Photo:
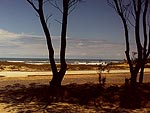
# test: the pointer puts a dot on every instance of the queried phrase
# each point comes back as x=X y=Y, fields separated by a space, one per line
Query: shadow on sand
x=72 y=98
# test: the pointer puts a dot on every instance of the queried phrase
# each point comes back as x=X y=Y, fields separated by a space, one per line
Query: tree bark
x=137 y=9
x=63 y=38
x=145 y=42
x=48 y=38
x=56 y=81
x=127 y=51
x=57 y=76
x=123 y=10
x=141 y=74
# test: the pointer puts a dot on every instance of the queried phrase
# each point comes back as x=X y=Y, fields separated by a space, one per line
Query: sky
x=94 y=31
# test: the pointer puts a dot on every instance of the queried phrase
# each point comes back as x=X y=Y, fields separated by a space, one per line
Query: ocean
x=69 y=61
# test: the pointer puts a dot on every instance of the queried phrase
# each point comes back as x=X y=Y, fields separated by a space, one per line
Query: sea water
x=69 y=61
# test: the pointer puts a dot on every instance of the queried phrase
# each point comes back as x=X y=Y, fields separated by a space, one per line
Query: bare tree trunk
x=137 y=9
x=56 y=81
x=141 y=74
x=63 y=38
x=57 y=78
x=145 y=42
x=133 y=77
x=132 y=69
x=48 y=38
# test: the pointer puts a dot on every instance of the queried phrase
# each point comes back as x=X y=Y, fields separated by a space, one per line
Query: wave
x=39 y=61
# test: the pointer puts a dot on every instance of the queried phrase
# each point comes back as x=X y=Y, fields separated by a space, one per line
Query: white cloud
x=30 y=45
x=13 y=44
x=94 y=48
x=6 y=34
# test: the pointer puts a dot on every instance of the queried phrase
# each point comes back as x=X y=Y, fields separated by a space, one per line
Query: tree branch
x=56 y=6
x=145 y=26
x=32 y=4
x=149 y=43
x=58 y=21
x=118 y=5
x=134 y=5
x=72 y=3
x=111 y=5
x=72 y=9
x=47 y=18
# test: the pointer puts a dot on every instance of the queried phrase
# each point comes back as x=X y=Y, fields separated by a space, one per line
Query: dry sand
x=80 y=72
x=28 y=76
x=111 y=78
x=72 y=77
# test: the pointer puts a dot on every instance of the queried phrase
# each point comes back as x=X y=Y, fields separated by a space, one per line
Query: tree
x=55 y=83
x=135 y=13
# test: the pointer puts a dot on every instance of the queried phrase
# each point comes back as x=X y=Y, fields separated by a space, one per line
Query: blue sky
x=94 y=31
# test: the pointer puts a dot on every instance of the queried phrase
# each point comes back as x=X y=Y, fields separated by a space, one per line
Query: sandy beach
x=19 y=75
x=78 y=77
x=80 y=72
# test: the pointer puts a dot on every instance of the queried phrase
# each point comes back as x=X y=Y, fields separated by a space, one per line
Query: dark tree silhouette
x=58 y=75
x=135 y=13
